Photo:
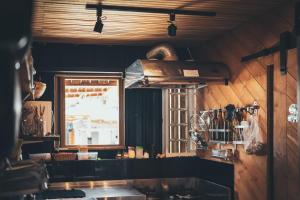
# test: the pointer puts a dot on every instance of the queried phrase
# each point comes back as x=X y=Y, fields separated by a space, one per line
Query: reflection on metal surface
x=159 y=73
x=91 y=184
x=87 y=184
x=67 y=186
x=165 y=188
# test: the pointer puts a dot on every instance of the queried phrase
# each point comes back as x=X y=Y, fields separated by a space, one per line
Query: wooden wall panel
x=280 y=136
x=292 y=145
x=248 y=84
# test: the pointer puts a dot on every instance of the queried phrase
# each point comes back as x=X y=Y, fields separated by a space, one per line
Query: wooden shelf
x=226 y=142
x=36 y=139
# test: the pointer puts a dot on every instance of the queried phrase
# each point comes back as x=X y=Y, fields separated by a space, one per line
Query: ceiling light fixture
x=172 y=28
x=99 y=24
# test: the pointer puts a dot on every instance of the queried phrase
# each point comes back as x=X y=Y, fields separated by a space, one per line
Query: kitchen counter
x=141 y=189
x=95 y=170
x=117 y=192
x=113 y=192
x=122 y=198
x=94 y=190
x=207 y=155
x=215 y=159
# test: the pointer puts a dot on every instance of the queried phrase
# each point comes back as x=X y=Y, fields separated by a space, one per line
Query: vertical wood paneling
x=280 y=142
x=292 y=146
x=249 y=83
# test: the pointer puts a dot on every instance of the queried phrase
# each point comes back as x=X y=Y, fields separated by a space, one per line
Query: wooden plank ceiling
x=69 y=21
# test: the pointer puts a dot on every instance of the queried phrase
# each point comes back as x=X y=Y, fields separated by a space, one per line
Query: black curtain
x=143 y=117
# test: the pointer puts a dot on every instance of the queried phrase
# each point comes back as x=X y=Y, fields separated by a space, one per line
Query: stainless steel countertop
x=130 y=189
x=116 y=192
x=102 y=190
x=121 y=198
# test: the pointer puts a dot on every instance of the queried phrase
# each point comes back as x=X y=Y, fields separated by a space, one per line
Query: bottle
x=42 y=127
x=146 y=155
x=214 y=125
x=237 y=122
x=231 y=129
x=227 y=125
x=244 y=121
x=118 y=155
x=125 y=155
x=131 y=152
x=71 y=135
x=139 y=152
x=36 y=119
x=230 y=109
x=220 y=125
x=152 y=152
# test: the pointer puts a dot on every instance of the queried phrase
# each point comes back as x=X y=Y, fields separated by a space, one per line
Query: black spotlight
x=172 y=27
x=99 y=25
x=172 y=30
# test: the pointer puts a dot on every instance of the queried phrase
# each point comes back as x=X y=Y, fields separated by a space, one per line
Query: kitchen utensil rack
x=233 y=135
x=230 y=134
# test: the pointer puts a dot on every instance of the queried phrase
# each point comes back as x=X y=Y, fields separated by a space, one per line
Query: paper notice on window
x=190 y=73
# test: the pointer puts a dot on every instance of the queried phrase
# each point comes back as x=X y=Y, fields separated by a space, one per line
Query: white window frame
x=191 y=108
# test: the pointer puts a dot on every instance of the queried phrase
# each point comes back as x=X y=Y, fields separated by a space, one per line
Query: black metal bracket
x=283 y=48
x=287 y=41
x=150 y=10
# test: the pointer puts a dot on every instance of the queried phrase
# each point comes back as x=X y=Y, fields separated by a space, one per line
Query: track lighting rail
x=150 y=10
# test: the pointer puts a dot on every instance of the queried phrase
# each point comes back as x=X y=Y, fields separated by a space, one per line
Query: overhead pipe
x=162 y=52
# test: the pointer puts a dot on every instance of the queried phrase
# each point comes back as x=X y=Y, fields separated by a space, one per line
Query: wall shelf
x=37 y=139
x=225 y=142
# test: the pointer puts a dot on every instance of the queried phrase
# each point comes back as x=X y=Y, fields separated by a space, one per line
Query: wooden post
x=297 y=32
x=270 y=128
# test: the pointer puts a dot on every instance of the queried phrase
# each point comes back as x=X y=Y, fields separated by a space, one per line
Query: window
x=178 y=105
x=90 y=110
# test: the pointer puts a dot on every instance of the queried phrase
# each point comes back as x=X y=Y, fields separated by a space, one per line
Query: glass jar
x=139 y=152
x=131 y=152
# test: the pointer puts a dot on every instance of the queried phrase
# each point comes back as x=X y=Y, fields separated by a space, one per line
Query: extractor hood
x=169 y=72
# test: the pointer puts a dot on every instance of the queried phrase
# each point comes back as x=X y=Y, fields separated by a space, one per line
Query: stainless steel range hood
x=169 y=72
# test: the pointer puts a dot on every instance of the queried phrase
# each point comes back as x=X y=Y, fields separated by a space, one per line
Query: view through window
x=91 y=111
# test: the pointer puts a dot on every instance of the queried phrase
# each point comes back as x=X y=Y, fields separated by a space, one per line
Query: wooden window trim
x=59 y=109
